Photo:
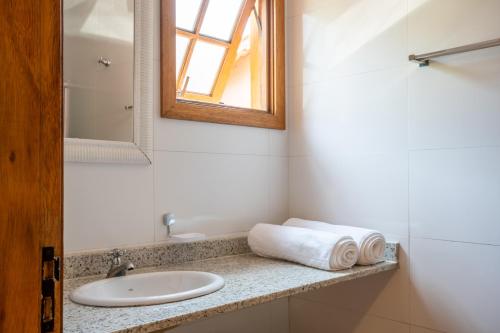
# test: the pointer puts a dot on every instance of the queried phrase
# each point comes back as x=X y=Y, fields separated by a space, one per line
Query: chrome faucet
x=117 y=267
x=168 y=221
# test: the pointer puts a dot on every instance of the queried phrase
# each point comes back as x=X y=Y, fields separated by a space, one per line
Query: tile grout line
x=217 y=153
x=457 y=241
x=492 y=146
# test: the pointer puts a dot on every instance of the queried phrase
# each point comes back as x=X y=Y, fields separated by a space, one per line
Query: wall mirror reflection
x=107 y=71
x=99 y=69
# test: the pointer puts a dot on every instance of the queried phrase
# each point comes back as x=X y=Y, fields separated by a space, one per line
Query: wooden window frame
x=172 y=107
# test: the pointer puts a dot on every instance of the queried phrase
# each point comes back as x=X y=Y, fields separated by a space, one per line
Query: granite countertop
x=250 y=280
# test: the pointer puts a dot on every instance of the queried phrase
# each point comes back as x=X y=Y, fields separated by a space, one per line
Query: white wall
x=377 y=142
x=217 y=179
x=264 y=318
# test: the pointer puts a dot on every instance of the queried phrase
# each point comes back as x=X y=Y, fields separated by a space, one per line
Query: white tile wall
x=295 y=8
x=471 y=117
x=455 y=194
x=310 y=317
x=107 y=206
x=377 y=142
x=366 y=190
x=189 y=136
x=277 y=189
x=278 y=143
x=455 y=286
x=211 y=193
x=332 y=38
x=440 y=24
x=264 y=318
x=351 y=114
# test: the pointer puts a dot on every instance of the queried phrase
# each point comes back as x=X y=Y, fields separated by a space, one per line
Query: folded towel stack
x=318 y=244
x=324 y=250
x=371 y=243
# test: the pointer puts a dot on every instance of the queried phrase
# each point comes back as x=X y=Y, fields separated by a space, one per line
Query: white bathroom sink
x=147 y=288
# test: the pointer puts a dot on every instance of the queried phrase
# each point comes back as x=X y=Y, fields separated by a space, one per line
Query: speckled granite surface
x=98 y=262
x=250 y=280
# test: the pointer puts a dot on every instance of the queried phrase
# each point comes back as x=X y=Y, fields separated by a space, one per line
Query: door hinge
x=50 y=274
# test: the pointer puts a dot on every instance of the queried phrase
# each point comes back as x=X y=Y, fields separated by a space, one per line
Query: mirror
x=99 y=69
x=108 y=63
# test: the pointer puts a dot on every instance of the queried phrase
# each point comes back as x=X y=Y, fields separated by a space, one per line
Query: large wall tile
x=366 y=190
x=347 y=37
x=455 y=103
x=311 y=317
x=359 y=113
x=263 y=318
x=278 y=143
x=107 y=206
x=193 y=136
x=277 y=190
x=294 y=54
x=385 y=295
x=294 y=8
x=438 y=24
x=455 y=286
x=295 y=122
x=210 y=193
x=455 y=194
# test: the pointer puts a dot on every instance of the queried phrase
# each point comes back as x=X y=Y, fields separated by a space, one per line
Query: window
x=223 y=61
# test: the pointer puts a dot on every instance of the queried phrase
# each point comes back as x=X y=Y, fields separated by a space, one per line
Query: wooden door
x=30 y=163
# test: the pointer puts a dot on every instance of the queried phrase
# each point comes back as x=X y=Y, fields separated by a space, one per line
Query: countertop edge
x=173 y=322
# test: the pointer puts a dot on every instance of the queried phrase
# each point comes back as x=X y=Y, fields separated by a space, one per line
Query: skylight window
x=210 y=65
x=186 y=13
x=229 y=55
x=220 y=18
x=181 y=45
x=200 y=77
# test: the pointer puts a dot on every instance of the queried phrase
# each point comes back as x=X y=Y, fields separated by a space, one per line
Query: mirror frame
x=140 y=151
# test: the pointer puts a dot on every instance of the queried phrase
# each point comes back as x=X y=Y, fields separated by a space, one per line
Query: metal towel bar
x=424 y=59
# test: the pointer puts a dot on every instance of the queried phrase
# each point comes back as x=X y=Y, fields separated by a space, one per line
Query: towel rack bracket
x=420 y=62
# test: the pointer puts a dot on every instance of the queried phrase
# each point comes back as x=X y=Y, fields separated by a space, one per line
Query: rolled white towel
x=371 y=243
x=308 y=247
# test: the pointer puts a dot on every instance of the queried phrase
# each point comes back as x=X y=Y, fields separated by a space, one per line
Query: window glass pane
x=220 y=18
x=247 y=83
x=204 y=67
x=181 y=44
x=186 y=12
x=243 y=81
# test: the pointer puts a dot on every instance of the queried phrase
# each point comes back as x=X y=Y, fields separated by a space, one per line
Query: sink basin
x=147 y=288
